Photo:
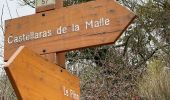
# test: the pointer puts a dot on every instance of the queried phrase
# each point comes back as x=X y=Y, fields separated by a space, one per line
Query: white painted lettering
x=97 y=23
x=107 y=22
x=89 y=24
x=10 y=39
x=60 y=30
x=64 y=30
x=27 y=37
x=23 y=37
x=71 y=93
x=66 y=93
x=36 y=36
x=49 y=33
x=75 y=28
x=44 y=34
x=16 y=40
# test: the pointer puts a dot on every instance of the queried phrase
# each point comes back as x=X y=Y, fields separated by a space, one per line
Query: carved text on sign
x=71 y=93
x=60 y=30
x=40 y=3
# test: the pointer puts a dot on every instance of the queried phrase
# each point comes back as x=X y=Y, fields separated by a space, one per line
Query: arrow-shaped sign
x=89 y=24
x=34 y=78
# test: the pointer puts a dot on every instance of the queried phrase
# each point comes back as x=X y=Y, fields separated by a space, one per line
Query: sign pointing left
x=34 y=78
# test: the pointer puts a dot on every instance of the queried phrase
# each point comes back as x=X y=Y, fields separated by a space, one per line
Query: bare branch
x=8 y=9
x=151 y=55
x=17 y=12
x=30 y=3
x=1 y=26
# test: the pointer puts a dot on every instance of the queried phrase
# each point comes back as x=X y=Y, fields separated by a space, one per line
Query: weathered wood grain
x=35 y=78
x=119 y=16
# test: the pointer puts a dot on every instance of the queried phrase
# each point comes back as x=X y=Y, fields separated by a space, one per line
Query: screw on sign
x=85 y=25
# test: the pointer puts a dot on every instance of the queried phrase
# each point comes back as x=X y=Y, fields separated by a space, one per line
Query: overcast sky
x=14 y=7
x=10 y=13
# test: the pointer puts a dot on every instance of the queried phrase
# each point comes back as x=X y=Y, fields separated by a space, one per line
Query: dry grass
x=155 y=84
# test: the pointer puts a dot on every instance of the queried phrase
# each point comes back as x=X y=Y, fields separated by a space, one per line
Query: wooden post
x=60 y=57
x=57 y=58
x=59 y=4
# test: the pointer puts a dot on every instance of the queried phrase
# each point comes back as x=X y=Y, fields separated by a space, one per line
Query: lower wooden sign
x=35 y=78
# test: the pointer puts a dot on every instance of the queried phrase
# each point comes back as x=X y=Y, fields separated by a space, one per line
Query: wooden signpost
x=80 y=26
x=48 y=32
x=35 y=78
x=57 y=58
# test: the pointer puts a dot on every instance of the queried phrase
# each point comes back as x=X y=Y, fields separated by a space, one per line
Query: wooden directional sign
x=89 y=24
x=34 y=78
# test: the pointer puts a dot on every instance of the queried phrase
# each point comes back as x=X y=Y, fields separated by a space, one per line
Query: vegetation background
x=136 y=67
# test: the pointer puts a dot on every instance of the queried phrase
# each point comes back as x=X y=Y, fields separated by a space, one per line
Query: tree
x=112 y=72
x=123 y=64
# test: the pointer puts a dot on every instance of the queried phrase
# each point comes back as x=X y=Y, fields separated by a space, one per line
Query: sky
x=15 y=10
x=14 y=7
